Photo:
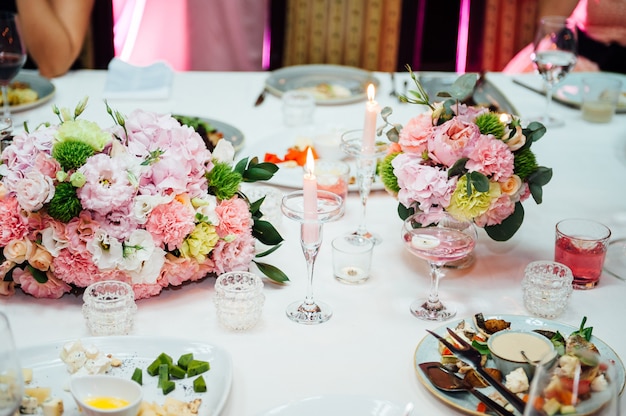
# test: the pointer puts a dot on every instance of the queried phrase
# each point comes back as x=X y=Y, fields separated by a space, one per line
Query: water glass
x=581 y=245
x=547 y=287
x=109 y=307
x=352 y=258
x=298 y=108
x=333 y=176
x=600 y=96
x=239 y=299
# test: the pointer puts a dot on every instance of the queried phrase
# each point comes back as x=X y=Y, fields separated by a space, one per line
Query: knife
x=260 y=98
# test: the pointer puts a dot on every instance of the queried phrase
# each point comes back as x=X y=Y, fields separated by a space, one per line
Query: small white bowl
x=506 y=346
x=85 y=387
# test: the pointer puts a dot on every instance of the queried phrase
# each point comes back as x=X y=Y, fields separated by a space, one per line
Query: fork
x=472 y=356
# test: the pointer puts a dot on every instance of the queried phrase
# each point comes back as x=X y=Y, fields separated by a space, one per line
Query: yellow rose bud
x=19 y=251
x=40 y=259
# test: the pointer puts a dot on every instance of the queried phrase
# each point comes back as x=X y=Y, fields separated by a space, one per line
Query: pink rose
x=34 y=190
x=40 y=258
x=451 y=140
x=415 y=134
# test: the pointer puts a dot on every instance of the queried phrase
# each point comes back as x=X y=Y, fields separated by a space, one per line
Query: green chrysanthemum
x=385 y=170
x=223 y=181
x=489 y=123
x=525 y=163
x=71 y=154
x=65 y=204
x=466 y=207
x=83 y=131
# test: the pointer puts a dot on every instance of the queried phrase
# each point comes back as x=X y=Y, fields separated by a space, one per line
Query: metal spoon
x=446 y=380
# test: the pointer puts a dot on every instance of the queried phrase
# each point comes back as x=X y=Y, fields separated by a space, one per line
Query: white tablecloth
x=367 y=347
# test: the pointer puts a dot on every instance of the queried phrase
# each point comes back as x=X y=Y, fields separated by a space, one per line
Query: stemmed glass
x=11 y=384
x=12 y=58
x=554 y=55
x=352 y=145
x=329 y=208
x=568 y=388
x=437 y=238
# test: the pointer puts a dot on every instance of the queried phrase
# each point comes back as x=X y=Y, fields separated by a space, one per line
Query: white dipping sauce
x=508 y=345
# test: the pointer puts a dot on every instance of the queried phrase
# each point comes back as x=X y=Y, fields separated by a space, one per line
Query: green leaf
x=38 y=275
x=541 y=176
x=272 y=272
x=582 y=331
x=256 y=173
x=241 y=166
x=463 y=87
x=255 y=207
x=386 y=112
x=478 y=181
x=458 y=169
x=507 y=228
x=267 y=252
x=534 y=131
x=404 y=212
x=265 y=232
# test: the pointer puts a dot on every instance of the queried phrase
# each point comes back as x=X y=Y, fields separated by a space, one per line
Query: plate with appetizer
x=477 y=330
x=213 y=131
x=198 y=385
x=329 y=84
x=28 y=90
x=288 y=148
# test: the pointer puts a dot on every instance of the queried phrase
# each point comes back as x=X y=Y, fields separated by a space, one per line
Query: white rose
x=34 y=190
x=52 y=241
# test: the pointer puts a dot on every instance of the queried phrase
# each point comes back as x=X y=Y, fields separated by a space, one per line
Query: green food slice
x=199 y=385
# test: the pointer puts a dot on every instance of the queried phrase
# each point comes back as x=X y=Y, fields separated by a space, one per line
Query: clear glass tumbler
x=239 y=299
x=109 y=307
x=547 y=287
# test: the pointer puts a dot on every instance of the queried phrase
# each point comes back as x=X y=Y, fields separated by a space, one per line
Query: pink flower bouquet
x=467 y=160
x=143 y=202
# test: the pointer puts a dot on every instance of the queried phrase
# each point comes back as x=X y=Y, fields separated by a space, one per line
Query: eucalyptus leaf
x=536 y=191
x=458 y=169
x=386 y=112
x=479 y=181
x=272 y=272
x=507 y=228
x=541 y=176
x=404 y=212
x=463 y=87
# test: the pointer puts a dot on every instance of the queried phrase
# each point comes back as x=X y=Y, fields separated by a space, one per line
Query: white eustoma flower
x=137 y=249
x=224 y=152
x=149 y=270
x=107 y=252
x=52 y=241
x=206 y=206
x=144 y=204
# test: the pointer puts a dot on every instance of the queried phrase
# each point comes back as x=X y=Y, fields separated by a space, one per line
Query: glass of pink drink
x=437 y=238
x=581 y=245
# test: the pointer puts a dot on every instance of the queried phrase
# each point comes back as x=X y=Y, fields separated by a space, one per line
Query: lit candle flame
x=505 y=118
x=310 y=163
x=371 y=92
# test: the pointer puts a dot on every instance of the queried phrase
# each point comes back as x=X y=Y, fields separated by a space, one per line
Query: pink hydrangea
x=235 y=217
x=427 y=185
x=170 y=223
x=13 y=224
x=54 y=288
x=415 y=134
x=492 y=158
x=236 y=255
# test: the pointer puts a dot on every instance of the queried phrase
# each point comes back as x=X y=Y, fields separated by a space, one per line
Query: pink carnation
x=492 y=158
x=451 y=140
x=499 y=210
x=79 y=269
x=179 y=269
x=235 y=255
x=80 y=230
x=52 y=289
x=426 y=185
x=415 y=134
x=170 y=223
x=13 y=225
x=235 y=217
x=146 y=290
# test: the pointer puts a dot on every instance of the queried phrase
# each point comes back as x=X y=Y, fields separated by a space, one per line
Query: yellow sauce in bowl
x=103 y=402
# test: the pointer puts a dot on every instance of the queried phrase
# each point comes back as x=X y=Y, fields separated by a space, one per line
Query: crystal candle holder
x=109 y=307
x=239 y=299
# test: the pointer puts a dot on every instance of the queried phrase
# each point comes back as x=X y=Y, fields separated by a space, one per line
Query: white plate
x=427 y=351
x=291 y=176
x=44 y=88
x=231 y=133
x=351 y=81
x=336 y=406
x=136 y=352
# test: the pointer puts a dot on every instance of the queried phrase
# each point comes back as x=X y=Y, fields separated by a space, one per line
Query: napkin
x=126 y=81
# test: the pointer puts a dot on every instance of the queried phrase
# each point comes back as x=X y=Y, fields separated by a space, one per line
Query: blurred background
x=255 y=35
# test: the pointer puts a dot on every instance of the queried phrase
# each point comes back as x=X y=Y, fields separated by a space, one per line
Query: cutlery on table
x=408 y=409
x=260 y=98
x=393 y=92
x=448 y=381
x=473 y=357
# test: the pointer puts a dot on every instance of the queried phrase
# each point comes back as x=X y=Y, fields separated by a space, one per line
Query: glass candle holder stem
x=366 y=169
x=310 y=251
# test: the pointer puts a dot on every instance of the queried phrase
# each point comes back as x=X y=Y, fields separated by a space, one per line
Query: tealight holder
x=239 y=299
x=329 y=208
x=109 y=307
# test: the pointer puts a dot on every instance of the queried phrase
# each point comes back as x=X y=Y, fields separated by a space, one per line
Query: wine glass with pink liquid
x=437 y=238
x=12 y=58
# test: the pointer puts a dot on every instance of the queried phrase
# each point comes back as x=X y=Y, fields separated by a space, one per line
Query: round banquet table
x=367 y=347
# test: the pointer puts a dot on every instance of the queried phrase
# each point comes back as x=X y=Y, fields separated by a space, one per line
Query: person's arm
x=53 y=32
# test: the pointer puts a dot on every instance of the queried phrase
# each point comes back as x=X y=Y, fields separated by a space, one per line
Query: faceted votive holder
x=352 y=258
x=109 y=307
x=547 y=287
x=271 y=204
x=239 y=299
